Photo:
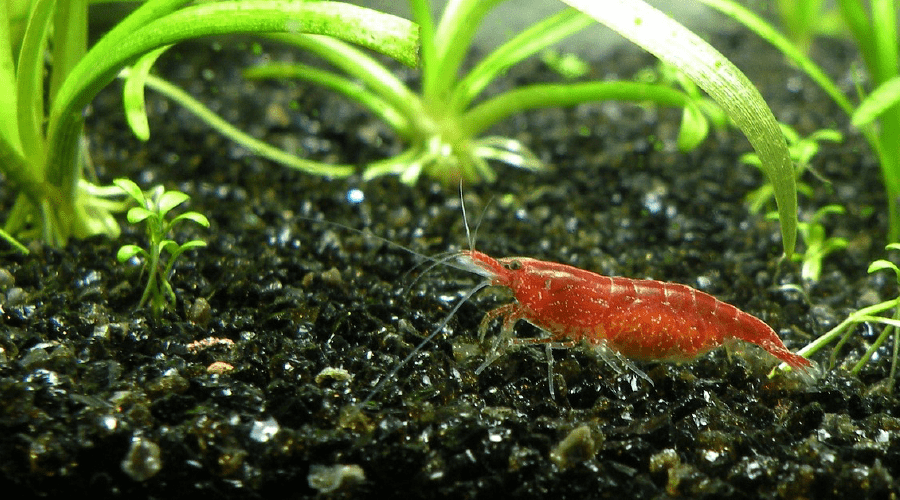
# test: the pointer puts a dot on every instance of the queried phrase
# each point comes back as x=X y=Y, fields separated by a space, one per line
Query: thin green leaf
x=14 y=242
x=352 y=89
x=526 y=43
x=768 y=33
x=174 y=253
x=192 y=216
x=880 y=319
x=188 y=245
x=371 y=73
x=884 y=29
x=834 y=243
x=717 y=76
x=826 y=134
x=131 y=189
x=452 y=38
x=30 y=79
x=694 y=128
x=127 y=252
x=892 y=246
x=882 y=264
x=252 y=144
x=133 y=93
x=70 y=39
x=545 y=95
x=169 y=200
x=138 y=214
x=169 y=246
x=9 y=121
x=875 y=104
x=421 y=11
x=820 y=214
x=750 y=159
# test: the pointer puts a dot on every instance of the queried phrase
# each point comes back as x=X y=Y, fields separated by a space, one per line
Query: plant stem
x=854 y=318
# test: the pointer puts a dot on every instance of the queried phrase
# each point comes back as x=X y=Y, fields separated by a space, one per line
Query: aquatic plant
x=872 y=314
x=802 y=151
x=442 y=123
x=816 y=245
x=873 y=26
x=41 y=149
x=161 y=251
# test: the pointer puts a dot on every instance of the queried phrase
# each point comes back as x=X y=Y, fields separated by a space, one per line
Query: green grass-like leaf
x=882 y=99
x=718 y=77
x=133 y=93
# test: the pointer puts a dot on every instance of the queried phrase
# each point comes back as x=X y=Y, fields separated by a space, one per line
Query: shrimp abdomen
x=669 y=321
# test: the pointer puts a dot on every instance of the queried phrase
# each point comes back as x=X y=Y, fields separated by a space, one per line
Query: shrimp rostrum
x=629 y=319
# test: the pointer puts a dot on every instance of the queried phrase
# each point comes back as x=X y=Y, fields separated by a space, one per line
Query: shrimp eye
x=513 y=265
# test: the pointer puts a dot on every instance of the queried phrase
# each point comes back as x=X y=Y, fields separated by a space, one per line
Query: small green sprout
x=567 y=65
x=698 y=113
x=802 y=151
x=817 y=245
x=152 y=210
x=870 y=314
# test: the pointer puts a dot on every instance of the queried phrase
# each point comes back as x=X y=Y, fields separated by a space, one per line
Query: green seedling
x=161 y=253
x=41 y=147
x=816 y=246
x=873 y=25
x=698 y=115
x=802 y=151
x=871 y=314
x=567 y=65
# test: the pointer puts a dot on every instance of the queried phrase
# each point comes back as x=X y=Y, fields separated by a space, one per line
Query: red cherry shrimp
x=623 y=319
x=629 y=319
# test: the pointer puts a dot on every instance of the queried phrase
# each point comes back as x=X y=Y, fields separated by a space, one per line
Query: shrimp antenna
x=387 y=378
x=435 y=260
x=480 y=220
x=471 y=236
x=462 y=203
x=445 y=258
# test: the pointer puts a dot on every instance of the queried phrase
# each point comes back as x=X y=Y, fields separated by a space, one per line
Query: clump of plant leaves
x=41 y=148
x=442 y=124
